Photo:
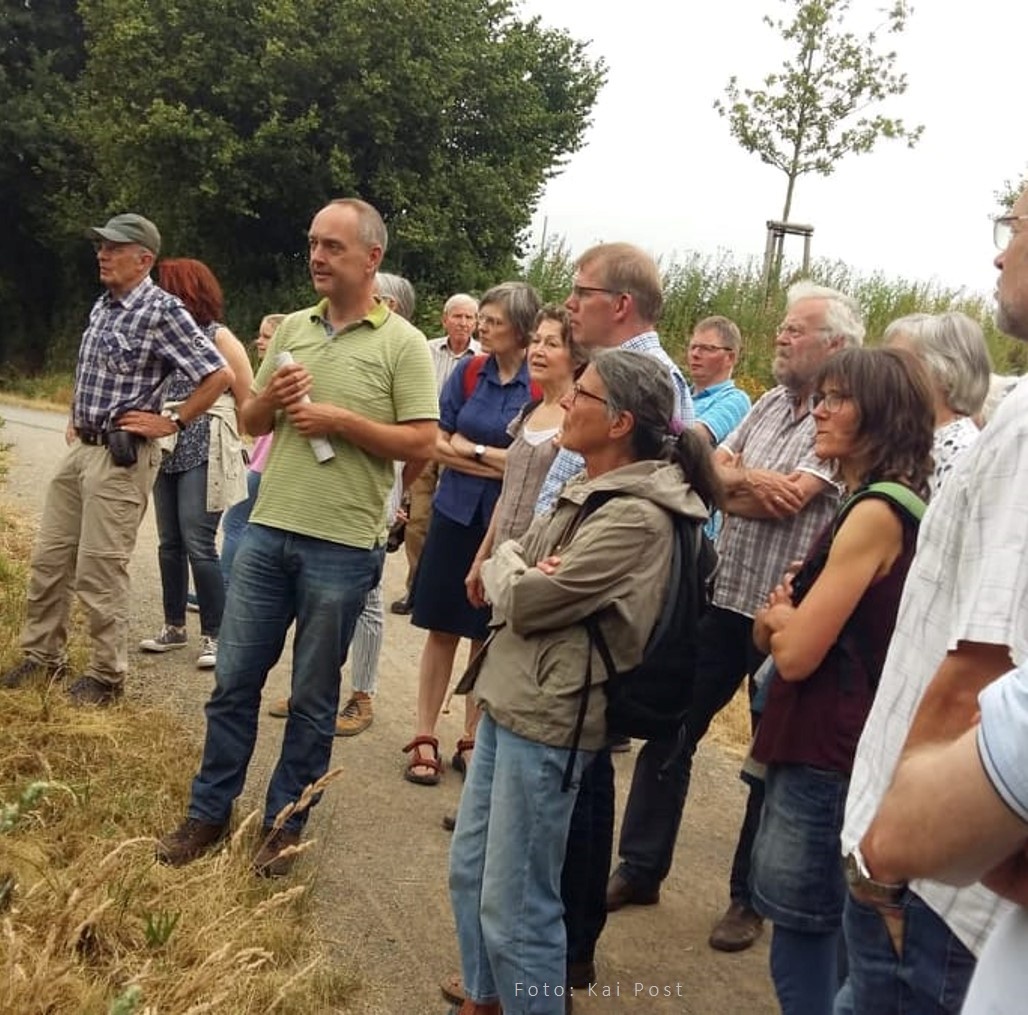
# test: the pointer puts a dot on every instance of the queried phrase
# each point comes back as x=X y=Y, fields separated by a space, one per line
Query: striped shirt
x=570 y=463
x=756 y=551
x=968 y=583
x=445 y=360
x=378 y=367
x=129 y=348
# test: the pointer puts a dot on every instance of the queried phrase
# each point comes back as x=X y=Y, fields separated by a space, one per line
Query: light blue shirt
x=720 y=408
x=1003 y=738
x=570 y=463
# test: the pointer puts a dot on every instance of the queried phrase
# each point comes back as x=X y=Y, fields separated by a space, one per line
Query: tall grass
x=698 y=286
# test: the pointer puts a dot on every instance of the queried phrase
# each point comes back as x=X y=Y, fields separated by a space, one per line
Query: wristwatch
x=173 y=415
x=479 y=452
x=866 y=889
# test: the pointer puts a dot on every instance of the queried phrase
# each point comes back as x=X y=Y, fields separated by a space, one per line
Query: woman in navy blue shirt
x=477 y=404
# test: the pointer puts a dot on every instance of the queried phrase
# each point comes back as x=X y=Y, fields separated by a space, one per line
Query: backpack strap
x=472 y=372
x=902 y=497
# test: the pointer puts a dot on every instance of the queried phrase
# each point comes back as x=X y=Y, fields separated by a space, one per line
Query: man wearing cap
x=137 y=334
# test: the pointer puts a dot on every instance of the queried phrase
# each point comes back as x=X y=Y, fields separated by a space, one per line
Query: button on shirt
x=130 y=346
x=570 y=463
x=756 y=551
x=482 y=419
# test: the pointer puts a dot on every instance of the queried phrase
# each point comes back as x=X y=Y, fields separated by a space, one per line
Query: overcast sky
x=660 y=168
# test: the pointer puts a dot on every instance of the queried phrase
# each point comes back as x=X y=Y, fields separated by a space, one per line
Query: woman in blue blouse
x=474 y=413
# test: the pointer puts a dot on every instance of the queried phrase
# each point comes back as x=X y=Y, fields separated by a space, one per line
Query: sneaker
x=90 y=691
x=208 y=657
x=279 y=708
x=277 y=854
x=189 y=841
x=355 y=717
x=169 y=638
x=192 y=604
x=29 y=671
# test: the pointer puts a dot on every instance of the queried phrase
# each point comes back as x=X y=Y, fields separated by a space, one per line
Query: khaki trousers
x=421 y=493
x=90 y=520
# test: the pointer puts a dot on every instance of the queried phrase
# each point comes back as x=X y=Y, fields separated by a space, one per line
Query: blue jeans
x=930 y=977
x=278 y=577
x=234 y=523
x=187 y=533
x=805 y=970
x=505 y=867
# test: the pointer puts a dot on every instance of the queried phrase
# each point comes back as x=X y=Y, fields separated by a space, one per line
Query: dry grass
x=89 y=922
x=731 y=726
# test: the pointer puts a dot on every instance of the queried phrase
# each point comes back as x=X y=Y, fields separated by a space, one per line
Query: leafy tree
x=815 y=110
x=232 y=122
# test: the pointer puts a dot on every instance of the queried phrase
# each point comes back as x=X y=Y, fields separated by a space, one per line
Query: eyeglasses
x=578 y=291
x=708 y=350
x=577 y=389
x=1003 y=229
x=491 y=322
x=794 y=331
x=828 y=401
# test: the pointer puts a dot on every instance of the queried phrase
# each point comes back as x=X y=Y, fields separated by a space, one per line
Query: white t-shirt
x=968 y=582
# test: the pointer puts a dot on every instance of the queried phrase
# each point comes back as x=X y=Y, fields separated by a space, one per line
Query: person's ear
x=621 y=425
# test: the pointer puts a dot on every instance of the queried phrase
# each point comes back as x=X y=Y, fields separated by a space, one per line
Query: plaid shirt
x=756 y=551
x=129 y=348
x=570 y=463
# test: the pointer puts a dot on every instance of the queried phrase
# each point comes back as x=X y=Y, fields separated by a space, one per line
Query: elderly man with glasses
x=136 y=336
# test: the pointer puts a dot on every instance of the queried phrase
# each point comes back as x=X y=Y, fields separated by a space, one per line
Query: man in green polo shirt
x=361 y=377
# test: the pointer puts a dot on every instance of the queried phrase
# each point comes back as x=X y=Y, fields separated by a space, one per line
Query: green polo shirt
x=379 y=367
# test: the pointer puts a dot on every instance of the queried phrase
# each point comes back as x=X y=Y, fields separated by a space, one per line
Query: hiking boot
x=279 y=708
x=276 y=856
x=621 y=892
x=737 y=929
x=28 y=671
x=90 y=691
x=169 y=638
x=355 y=717
x=208 y=657
x=189 y=841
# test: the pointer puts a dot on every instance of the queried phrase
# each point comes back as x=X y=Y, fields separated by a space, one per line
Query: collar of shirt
x=375 y=317
x=133 y=297
x=712 y=389
x=643 y=342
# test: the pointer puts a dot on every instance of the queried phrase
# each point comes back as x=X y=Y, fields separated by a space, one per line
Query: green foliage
x=1011 y=191
x=30 y=799
x=814 y=110
x=159 y=926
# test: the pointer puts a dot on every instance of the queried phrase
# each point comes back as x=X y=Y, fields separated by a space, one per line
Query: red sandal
x=418 y=761
x=457 y=762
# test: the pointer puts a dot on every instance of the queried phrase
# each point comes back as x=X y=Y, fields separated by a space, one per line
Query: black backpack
x=650 y=701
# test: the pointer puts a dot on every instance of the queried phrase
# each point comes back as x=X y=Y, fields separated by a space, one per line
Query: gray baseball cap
x=129 y=228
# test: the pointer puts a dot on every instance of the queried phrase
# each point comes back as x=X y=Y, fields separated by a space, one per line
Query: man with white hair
x=961 y=624
x=779 y=496
x=460 y=318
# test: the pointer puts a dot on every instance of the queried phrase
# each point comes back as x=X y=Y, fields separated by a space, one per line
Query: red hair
x=193 y=283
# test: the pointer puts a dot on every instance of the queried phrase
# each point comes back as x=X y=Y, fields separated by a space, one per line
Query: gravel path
x=379 y=862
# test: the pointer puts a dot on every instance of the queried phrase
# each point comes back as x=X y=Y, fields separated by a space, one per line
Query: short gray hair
x=520 y=303
x=952 y=347
x=457 y=299
x=843 y=317
x=370 y=227
x=398 y=291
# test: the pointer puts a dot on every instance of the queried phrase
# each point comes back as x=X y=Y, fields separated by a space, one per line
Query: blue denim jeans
x=930 y=977
x=234 y=522
x=505 y=866
x=187 y=532
x=278 y=577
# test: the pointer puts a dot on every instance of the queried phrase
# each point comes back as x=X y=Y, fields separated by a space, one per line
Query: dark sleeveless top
x=818 y=721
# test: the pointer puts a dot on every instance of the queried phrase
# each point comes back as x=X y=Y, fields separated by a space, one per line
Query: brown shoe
x=621 y=892
x=452 y=988
x=90 y=691
x=279 y=708
x=28 y=671
x=190 y=841
x=737 y=929
x=355 y=717
x=277 y=854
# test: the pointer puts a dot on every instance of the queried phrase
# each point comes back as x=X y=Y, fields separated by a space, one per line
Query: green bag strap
x=902 y=496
